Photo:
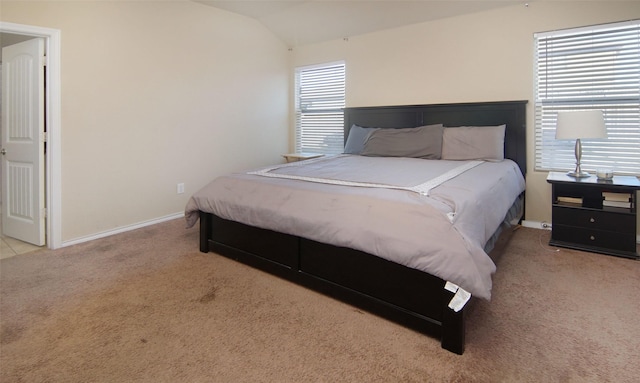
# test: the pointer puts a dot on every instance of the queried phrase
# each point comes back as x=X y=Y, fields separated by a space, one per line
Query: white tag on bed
x=451 y=287
x=459 y=300
x=451 y=216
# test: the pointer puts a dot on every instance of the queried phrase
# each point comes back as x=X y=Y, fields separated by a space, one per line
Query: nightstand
x=594 y=215
x=293 y=157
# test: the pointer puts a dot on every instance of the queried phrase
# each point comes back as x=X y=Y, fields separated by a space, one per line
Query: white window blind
x=320 y=99
x=589 y=68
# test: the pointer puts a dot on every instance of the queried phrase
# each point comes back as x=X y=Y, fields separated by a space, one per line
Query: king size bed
x=400 y=225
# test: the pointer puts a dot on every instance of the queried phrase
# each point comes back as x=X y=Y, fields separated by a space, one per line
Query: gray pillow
x=473 y=143
x=421 y=142
x=358 y=135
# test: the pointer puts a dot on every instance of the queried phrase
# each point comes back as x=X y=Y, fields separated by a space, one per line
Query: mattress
x=431 y=215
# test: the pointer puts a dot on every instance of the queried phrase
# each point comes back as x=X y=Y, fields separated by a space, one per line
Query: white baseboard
x=544 y=225
x=537 y=224
x=122 y=229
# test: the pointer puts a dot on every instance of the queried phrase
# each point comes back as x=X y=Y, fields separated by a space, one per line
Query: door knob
x=3 y=151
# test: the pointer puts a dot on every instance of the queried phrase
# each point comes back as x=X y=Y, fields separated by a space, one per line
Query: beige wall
x=155 y=93
x=486 y=56
x=160 y=92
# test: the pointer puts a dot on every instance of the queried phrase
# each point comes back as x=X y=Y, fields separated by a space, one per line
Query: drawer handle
x=592 y=220
x=592 y=238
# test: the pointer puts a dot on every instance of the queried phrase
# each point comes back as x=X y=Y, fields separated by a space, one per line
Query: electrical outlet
x=180 y=188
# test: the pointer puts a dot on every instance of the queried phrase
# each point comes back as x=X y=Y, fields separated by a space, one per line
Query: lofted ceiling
x=301 y=22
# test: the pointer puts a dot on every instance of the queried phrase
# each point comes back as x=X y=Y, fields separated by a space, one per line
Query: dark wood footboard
x=404 y=295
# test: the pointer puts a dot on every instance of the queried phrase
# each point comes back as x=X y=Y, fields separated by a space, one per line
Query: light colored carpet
x=146 y=306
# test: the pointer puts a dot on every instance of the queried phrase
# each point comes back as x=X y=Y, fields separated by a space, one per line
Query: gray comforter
x=442 y=233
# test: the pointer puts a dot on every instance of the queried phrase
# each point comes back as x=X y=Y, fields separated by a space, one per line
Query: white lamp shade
x=580 y=124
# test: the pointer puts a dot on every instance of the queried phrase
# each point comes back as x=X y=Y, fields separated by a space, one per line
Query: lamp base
x=578 y=174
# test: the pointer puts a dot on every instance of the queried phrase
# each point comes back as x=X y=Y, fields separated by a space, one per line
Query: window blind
x=320 y=99
x=595 y=67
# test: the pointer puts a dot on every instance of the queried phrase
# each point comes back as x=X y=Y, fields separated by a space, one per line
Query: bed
x=358 y=255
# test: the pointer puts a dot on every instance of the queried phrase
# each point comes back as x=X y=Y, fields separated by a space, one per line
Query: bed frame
x=366 y=281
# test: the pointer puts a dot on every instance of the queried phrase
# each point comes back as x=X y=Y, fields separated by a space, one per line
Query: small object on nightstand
x=604 y=174
x=595 y=215
x=293 y=157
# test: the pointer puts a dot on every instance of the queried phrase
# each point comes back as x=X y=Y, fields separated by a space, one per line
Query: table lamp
x=577 y=125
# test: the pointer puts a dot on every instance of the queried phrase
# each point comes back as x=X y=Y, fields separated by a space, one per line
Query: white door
x=23 y=214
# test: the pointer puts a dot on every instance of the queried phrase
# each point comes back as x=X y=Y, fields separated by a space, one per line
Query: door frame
x=53 y=156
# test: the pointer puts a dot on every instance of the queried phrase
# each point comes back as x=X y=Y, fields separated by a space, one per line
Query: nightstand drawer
x=595 y=238
x=592 y=219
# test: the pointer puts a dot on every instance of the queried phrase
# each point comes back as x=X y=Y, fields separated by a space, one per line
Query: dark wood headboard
x=510 y=113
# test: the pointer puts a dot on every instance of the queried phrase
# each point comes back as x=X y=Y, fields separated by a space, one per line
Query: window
x=589 y=68
x=320 y=99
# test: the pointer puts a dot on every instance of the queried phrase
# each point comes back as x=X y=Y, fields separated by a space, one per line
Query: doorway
x=52 y=121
